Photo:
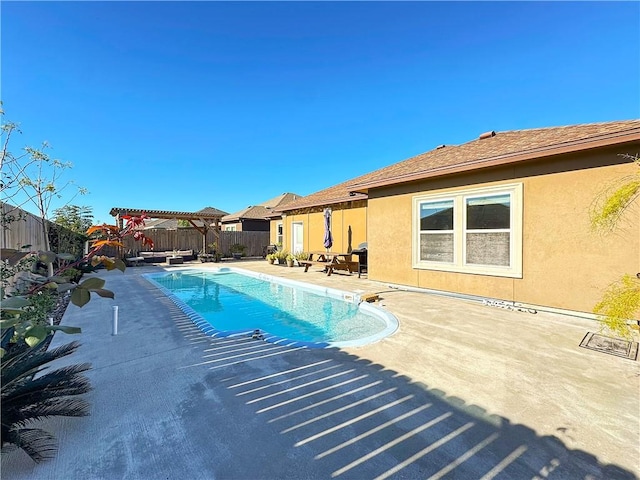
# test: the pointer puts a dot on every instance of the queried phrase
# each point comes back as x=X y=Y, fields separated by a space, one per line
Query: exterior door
x=297 y=244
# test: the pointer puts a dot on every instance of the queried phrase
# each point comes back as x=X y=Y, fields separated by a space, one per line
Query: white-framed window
x=230 y=228
x=471 y=231
x=279 y=233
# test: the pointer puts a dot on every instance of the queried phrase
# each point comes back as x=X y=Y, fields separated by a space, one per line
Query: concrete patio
x=462 y=390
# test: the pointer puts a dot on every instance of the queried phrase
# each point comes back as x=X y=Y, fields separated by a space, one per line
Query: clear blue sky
x=182 y=105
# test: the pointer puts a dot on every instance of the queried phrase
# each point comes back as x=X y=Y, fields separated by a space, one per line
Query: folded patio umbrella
x=328 y=239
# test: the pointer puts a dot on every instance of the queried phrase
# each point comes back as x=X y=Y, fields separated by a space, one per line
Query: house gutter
x=608 y=140
x=320 y=203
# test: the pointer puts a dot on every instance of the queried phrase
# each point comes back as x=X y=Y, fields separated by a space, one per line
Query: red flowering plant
x=107 y=236
x=111 y=236
x=21 y=289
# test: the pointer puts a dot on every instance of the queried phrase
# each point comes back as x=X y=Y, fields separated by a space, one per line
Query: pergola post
x=203 y=231
x=216 y=233
x=204 y=238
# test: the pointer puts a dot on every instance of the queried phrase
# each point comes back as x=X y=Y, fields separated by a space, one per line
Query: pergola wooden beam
x=203 y=230
x=208 y=216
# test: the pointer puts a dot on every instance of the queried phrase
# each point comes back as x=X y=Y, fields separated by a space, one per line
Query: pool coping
x=391 y=321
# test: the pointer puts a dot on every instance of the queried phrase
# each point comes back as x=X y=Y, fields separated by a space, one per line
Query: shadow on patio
x=169 y=402
x=359 y=420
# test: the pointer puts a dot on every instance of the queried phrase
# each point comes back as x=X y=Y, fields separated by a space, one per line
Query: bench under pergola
x=209 y=217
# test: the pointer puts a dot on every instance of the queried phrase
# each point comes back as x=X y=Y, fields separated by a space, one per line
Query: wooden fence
x=20 y=228
x=23 y=229
x=191 y=239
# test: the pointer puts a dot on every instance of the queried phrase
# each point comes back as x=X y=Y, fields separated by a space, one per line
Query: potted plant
x=237 y=251
x=212 y=255
x=281 y=256
x=301 y=256
x=271 y=257
x=290 y=258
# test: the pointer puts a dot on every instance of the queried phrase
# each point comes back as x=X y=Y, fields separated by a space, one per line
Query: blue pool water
x=231 y=301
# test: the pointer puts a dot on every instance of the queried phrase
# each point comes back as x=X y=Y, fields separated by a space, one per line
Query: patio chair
x=269 y=249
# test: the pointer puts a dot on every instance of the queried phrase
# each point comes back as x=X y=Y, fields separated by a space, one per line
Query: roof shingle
x=503 y=148
x=492 y=149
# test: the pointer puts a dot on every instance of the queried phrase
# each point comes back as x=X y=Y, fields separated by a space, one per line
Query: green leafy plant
x=18 y=291
x=32 y=177
x=72 y=274
x=281 y=256
x=67 y=234
x=73 y=217
x=27 y=396
x=619 y=303
x=621 y=300
x=237 y=248
x=40 y=305
x=301 y=256
x=27 y=293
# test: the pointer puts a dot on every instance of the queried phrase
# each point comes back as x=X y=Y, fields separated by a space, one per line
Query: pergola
x=208 y=216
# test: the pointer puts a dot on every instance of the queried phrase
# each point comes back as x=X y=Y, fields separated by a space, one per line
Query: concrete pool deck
x=461 y=390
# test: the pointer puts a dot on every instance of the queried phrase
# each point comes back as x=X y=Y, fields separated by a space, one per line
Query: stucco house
x=256 y=218
x=300 y=226
x=504 y=216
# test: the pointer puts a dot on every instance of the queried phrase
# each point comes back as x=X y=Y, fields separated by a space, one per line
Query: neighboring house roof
x=160 y=223
x=263 y=211
x=490 y=149
x=281 y=200
x=168 y=224
x=335 y=194
x=251 y=212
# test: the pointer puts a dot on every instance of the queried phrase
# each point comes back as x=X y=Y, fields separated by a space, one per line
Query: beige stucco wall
x=565 y=264
x=237 y=225
x=348 y=227
x=273 y=230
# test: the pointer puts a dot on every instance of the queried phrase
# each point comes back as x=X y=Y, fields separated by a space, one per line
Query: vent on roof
x=487 y=135
x=440 y=146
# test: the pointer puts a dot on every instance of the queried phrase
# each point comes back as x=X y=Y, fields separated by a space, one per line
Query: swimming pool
x=230 y=301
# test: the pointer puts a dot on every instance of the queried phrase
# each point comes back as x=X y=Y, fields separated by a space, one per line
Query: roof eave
x=320 y=203
x=613 y=139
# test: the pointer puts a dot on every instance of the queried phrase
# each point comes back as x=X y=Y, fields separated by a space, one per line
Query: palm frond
x=29 y=395
x=68 y=407
x=63 y=381
x=37 y=443
x=26 y=363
